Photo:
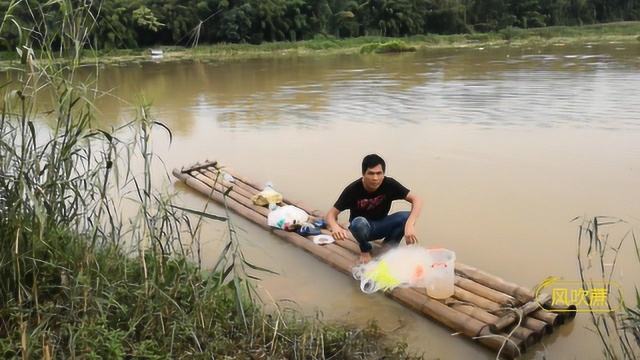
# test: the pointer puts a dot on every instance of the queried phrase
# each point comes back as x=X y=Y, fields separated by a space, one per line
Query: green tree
x=134 y=23
x=527 y=13
x=299 y=22
x=235 y=24
x=318 y=14
x=114 y=24
x=179 y=18
x=487 y=15
x=146 y=19
x=394 y=18
x=345 y=22
x=554 y=11
x=446 y=17
x=580 y=11
x=267 y=20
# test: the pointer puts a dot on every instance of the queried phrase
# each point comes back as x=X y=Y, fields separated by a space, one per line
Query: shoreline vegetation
x=622 y=32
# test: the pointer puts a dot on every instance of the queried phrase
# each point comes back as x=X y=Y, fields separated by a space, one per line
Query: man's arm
x=409 y=228
x=337 y=232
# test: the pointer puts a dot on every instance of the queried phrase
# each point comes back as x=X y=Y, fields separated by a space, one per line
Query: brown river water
x=505 y=146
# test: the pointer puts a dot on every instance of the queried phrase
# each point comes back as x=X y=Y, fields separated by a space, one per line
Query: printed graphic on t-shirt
x=370 y=204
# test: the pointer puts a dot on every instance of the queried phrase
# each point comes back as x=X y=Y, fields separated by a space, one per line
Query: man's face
x=372 y=178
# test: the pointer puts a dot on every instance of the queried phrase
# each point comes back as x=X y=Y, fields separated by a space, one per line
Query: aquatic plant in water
x=616 y=322
x=394 y=46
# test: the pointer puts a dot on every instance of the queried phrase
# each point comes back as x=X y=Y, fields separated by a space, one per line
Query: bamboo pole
x=474 y=309
x=239 y=177
x=550 y=318
x=484 y=291
x=567 y=313
x=216 y=184
x=505 y=321
x=466 y=296
x=346 y=244
x=537 y=325
x=351 y=244
x=232 y=194
x=322 y=252
x=199 y=166
x=528 y=336
x=520 y=293
x=435 y=309
x=220 y=198
x=236 y=185
x=215 y=178
x=525 y=310
x=342 y=251
x=460 y=322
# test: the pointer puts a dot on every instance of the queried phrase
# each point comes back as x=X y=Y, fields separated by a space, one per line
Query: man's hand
x=339 y=233
x=410 y=234
x=365 y=257
x=416 y=206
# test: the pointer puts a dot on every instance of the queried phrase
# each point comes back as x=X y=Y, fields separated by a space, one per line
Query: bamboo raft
x=484 y=307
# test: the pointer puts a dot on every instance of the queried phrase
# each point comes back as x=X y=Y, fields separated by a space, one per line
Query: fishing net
x=404 y=266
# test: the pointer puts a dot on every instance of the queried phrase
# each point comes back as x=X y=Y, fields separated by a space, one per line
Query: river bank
x=623 y=32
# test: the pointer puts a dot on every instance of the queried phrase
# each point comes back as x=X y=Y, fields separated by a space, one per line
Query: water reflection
x=463 y=86
x=577 y=86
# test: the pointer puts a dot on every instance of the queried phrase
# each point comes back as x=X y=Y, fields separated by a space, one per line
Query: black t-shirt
x=371 y=206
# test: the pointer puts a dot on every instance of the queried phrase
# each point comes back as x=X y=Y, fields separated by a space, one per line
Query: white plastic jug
x=440 y=273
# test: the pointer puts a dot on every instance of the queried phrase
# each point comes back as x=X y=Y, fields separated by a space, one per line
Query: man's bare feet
x=365 y=258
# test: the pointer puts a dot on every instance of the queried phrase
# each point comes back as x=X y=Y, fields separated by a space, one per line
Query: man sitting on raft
x=369 y=200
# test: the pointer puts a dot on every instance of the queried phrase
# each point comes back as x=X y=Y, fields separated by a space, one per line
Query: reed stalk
x=618 y=328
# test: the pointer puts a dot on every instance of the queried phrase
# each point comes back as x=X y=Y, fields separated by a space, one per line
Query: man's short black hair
x=371 y=161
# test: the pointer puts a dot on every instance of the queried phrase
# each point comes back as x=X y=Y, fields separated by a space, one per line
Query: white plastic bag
x=286 y=215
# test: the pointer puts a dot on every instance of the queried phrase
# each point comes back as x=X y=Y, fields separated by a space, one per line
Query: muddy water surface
x=505 y=145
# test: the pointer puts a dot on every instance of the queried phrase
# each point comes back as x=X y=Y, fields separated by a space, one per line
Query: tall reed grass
x=79 y=278
x=618 y=327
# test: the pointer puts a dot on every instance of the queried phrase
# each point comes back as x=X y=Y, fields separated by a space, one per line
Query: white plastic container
x=439 y=275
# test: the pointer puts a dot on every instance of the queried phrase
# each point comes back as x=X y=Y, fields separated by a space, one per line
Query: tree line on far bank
x=122 y=24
